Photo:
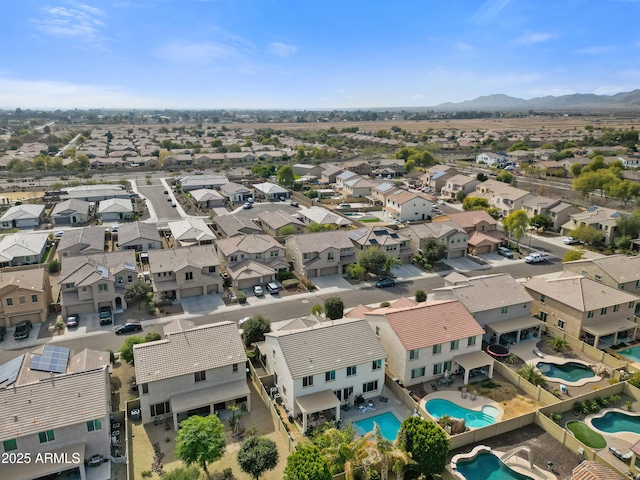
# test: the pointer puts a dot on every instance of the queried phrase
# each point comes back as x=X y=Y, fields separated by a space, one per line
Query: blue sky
x=311 y=54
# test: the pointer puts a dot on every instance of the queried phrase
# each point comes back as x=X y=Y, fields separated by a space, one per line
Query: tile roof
x=621 y=268
x=270 y=188
x=115 y=205
x=231 y=188
x=92 y=239
x=87 y=269
x=471 y=219
x=591 y=470
x=174 y=259
x=24 y=211
x=188 y=351
x=205 y=195
x=432 y=230
x=128 y=232
x=191 y=230
x=30 y=279
x=321 y=241
x=278 y=219
x=22 y=245
x=328 y=346
x=231 y=225
x=71 y=205
x=323 y=216
x=578 y=292
x=373 y=236
x=254 y=243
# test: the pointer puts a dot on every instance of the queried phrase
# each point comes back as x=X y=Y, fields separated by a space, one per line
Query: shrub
x=54 y=266
x=317 y=309
x=556 y=417
x=285 y=275
x=385 y=304
x=421 y=296
x=241 y=296
x=227 y=474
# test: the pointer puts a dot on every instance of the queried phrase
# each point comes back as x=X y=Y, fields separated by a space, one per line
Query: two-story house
x=450 y=234
x=459 y=183
x=600 y=218
x=25 y=294
x=71 y=212
x=191 y=231
x=343 y=177
x=178 y=273
x=436 y=177
x=192 y=371
x=322 y=216
x=380 y=193
x=329 y=174
x=357 y=166
x=81 y=241
x=357 y=187
x=92 y=281
x=504 y=197
x=317 y=254
x=407 y=206
x=279 y=223
x=389 y=241
x=483 y=235
x=324 y=366
x=594 y=312
x=429 y=340
x=491 y=159
x=139 y=236
x=497 y=302
x=22 y=216
x=23 y=249
x=251 y=260
x=558 y=212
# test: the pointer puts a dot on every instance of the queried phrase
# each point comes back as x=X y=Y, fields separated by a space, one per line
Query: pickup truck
x=536 y=257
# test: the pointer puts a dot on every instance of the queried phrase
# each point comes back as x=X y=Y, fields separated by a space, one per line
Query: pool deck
x=393 y=405
x=515 y=462
x=456 y=397
x=628 y=437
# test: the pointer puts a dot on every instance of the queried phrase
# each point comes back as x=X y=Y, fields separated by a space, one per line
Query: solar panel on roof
x=394 y=235
x=373 y=241
x=615 y=215
x=9 y=371
x=53 y=359
x=592 y=209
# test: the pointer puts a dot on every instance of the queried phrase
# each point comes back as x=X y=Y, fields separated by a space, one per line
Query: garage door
x=456 y=253
x=62 y=221
x=190 y=292
x=34 y=317
x=248 y=283
x=81 y=308
x=329 y=271
x=486 y=249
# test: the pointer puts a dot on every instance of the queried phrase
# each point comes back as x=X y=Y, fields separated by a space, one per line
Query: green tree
x=254 y=329
x=481 y=177
x=388 y=453
x=587 y=234
x=571 y=255
x=623 y=242
x=285 y=175
x=137 y=291
x=54 y=266
x=391 y=262
x=433 y=250
x=541 y=221
x=320 y=227
x=518 y=146
x=307 y=463
x=409 y=166
x=559 y=344
x=474 y=203
x=427 y=443
x=531 y=375
x=356 y=271
x=629 y=224
x=182 y=473
x=200 y=440
x=373 y=260
x=126 y=350
x=152 y=337
x=287 y=230
x=334 y=308
x=575 y=169
x=460 y=195
x=421 y=296
x=257 y=455
x=516 y=224
x=505 y=177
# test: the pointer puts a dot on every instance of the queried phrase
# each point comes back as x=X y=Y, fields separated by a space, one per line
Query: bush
x=334 y=308
x=54 y=266
x=421 y=296
x=285 y=275
x=241 y=296
x=385 y=304
x=146 y=474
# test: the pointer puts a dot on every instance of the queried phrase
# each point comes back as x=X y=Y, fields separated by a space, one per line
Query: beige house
x=322 y=216
x=231 y=225
x=139 y=236
x=483 y=235
x=380 y=193
x=596 y=313
x=452 y=235
x=357 y=166
x=317 y=254
x=192 y=371
x=275 y=223
x=25 y=294
x=81 y=241
x=459 y=183
x=437 y=176
x=389 y=241
x=191 y=231
x=407 y=206
x=600 y=218
x=557 y=211
x=177 y=273
x=503 y=196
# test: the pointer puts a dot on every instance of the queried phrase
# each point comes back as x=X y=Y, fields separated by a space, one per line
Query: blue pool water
x=486 y=466
x=614 y=422
x=569 y=372
x=474 y=419
x=388 y=423
x=632 y=354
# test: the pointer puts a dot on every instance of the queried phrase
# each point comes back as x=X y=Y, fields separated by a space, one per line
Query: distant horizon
x=281 y=55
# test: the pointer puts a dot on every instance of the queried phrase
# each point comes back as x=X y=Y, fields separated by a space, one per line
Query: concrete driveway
x=464 y=264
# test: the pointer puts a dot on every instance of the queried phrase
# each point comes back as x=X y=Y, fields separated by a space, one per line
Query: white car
x=396 y=222
x=58 y=234
x=244 y=320
x=571 y=241
x=440 y=202
x=257 y=290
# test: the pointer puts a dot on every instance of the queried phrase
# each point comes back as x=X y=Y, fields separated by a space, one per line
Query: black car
x=72 y=320
x=385 y=282
x=22 y=329
x=3 y=331
x=128 y=328
x=106 y=318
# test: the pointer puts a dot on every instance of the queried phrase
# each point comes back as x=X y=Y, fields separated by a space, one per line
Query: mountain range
x=578 y=101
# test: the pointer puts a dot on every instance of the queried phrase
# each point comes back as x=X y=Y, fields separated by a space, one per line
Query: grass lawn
x=370 y=220
x=587 y=436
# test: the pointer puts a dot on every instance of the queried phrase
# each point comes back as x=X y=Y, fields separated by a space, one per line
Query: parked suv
x=3 y=332
x=22 y=329
x=105 y=316
x=505 y=252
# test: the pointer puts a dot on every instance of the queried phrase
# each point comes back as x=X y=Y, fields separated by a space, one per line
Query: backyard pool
x=388 y=423
x=632 y=354
x=568 y=372
x=439 y=407
x=487 y=466
x=615 y=422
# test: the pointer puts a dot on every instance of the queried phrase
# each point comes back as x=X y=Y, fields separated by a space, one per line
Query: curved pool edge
x=626 y=435
x=563 y=361
x=453 y=464
x=454 y=397
x=536 y=473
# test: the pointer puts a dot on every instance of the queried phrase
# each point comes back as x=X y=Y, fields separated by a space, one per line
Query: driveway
x=203 y=304
x=403 y=272
x=330 y=281
x=464 y=264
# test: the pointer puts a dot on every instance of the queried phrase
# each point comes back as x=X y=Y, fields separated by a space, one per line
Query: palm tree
x=531 y=374
x=390 y=262
x=401 y=458
x=559 y=344
x=362 y=457
x=389 y=452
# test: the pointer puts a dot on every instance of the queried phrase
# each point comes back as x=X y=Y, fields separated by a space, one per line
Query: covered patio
x=611 y=332
x=474 y=360
x=314 y=405
x=506 y=332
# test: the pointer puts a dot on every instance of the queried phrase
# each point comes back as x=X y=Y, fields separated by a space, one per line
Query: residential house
x=380 y=193
x=25 y=294
x=344 y=177
x=324 y=366
x=192 y=371
x=594 y=312
x=551 y=168
x=357 y=187
x=497 y=302
x=115 y=209
x=390 y=166
x=600 y=218
x=629 y=161
x=22 y=216
x=93 y=281
x=207 y=198
x=177 y=273
x=279 y=223
x=235 y=192
x=423 y=343
x=251 y=260
x=323 y=253
x=94 y=193
x=322 y=216
x=504 y=197
x=240 y=157
x=329 y=174
x=357 y=166
x=230 y=226
x=196 y=182
x=23 y=249
x=271 y=155
x=459 y=183
x=270 y=191
x=139 y=236
x=389 y=241
x=483 y=235
x=307 y=169
x=450 y=234
x=178 y=159
x=437 y=176
x=557 y=211
x=491 y=159
x=71 y=212
x=407 y=206
x=57 y=414
x=208 y=159
x=191 y=231
x=81 y=241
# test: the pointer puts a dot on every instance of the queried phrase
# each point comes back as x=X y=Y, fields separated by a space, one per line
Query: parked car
x=294 y=204
x=22 y=329
x=173 y=204
x=535 y=257
x=257 y=290
x=250 y=200
x=169 y=199
x=385 y=282
x=128 y=328
x=505 y=252
x=272 y=288
x=72 y=320
x=105 y=315
x=571 y=241
x=247 y=206
x=440 y=202
x=58 y=234
x=3 y=332
x=166 y=192
x=396 y=222
x=244 y=320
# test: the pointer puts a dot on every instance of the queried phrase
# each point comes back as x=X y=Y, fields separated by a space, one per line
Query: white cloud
x=595 y=50
x=79 y=21
x=489 y=10
x=534 y=37
x=281 y=49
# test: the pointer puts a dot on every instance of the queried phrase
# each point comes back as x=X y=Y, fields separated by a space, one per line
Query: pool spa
x=615 y=422
x=388 y=423
x=485 y=465
x=570 y=372
x=439 y=407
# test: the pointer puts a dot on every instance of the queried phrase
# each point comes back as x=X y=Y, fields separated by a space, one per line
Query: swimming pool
x=615 y=422
x=486 y=466
x=388 y=423
x=439 y=407
x=569 y=372
x=632 y=354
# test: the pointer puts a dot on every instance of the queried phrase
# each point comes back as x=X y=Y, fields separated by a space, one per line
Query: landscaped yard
x=587 y=436
x=513 y=402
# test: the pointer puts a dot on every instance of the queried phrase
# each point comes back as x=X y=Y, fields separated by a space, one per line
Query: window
x=543 y=316
x=447 y=366
x=603 y=311
x=351 y=370
x=306 y=256
x=69 y=285
x=437 y=369
x=145 y=388
x=377 y=331
x=160 y=408
x=47 y=436
x=234 y=258
x=9 y=302
x=598 y=277
x=307 y=381
x=103 y=287
x=330 y=376
x=376 y=364
x=630 y=304
x=616 y=308
x=637 y=283
x=129 y=278
x=330 y=256
x=561 y=324
x=235 y=368
x=414 y=354
x=504 y=310
x=454 y=344
x=120 y=280
x=10 y=445
x=200 y=376
x=436 y=349
x=212 y=269
x=188 y=275
x=369 y=386
x=22 y=300
x=471 y=341
x=542 y=297
x=274 y=253
x=584 y=273
x=93 y=425
x=417 y=372
x=590 y=314
x=34 y=298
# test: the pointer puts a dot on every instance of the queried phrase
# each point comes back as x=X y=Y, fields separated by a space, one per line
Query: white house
x=491 y=158
x=407 y=206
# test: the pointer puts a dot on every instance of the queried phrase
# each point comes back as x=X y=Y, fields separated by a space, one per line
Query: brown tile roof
x=471 y=219
x=589 y=470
